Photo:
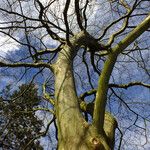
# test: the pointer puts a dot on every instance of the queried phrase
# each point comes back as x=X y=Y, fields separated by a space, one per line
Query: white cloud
x=7 y=44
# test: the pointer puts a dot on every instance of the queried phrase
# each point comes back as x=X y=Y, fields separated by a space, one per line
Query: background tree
x=18 y=122
x=84 y=54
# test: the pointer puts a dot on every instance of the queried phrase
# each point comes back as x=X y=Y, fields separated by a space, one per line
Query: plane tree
x=84 y=47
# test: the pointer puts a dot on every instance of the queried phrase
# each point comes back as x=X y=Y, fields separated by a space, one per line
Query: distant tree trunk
x=74 y=133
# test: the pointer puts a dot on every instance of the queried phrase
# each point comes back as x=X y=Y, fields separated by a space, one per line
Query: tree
x=19 y=124
x=97 y=35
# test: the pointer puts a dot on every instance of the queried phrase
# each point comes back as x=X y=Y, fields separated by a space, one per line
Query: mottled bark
x=74 y=133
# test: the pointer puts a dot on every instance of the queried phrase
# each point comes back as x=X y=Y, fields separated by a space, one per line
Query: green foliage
x=18 y=123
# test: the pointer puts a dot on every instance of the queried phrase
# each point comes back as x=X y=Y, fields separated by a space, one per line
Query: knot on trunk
x=96 y=144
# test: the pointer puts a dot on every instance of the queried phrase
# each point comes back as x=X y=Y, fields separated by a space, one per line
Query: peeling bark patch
x=97 y=145
x=95 y=141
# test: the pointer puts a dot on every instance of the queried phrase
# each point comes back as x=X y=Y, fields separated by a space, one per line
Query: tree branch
x=50 y=32
x=125 y=23
x=66 y=20
x=134 y=34
x=101 y=95
x=47 y=96
x=125 y=86
x=32 y=19
x=48 y=51
x=112 y=85
x=33 y=65
x=79 y=17
x=84 y=14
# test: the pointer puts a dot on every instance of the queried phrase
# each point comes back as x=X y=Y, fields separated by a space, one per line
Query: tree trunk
x=74 y=133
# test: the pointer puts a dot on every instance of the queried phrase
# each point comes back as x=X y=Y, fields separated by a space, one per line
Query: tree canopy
x=90 y=59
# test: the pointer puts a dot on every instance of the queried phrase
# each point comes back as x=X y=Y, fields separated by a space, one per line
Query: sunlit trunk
x=74 y=133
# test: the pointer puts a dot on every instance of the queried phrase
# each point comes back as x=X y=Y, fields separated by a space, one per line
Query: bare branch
x=32 y=19
x=33 y=65
x=51 y=33
x=126 y=17
x=66 y=19
x=125 y=23
x=47 y=96
x=134 y=34
x=112 y=85
x=125 y=86
x=48 y=51
x=84 y=14
x=101 y=95
x=78 y=13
